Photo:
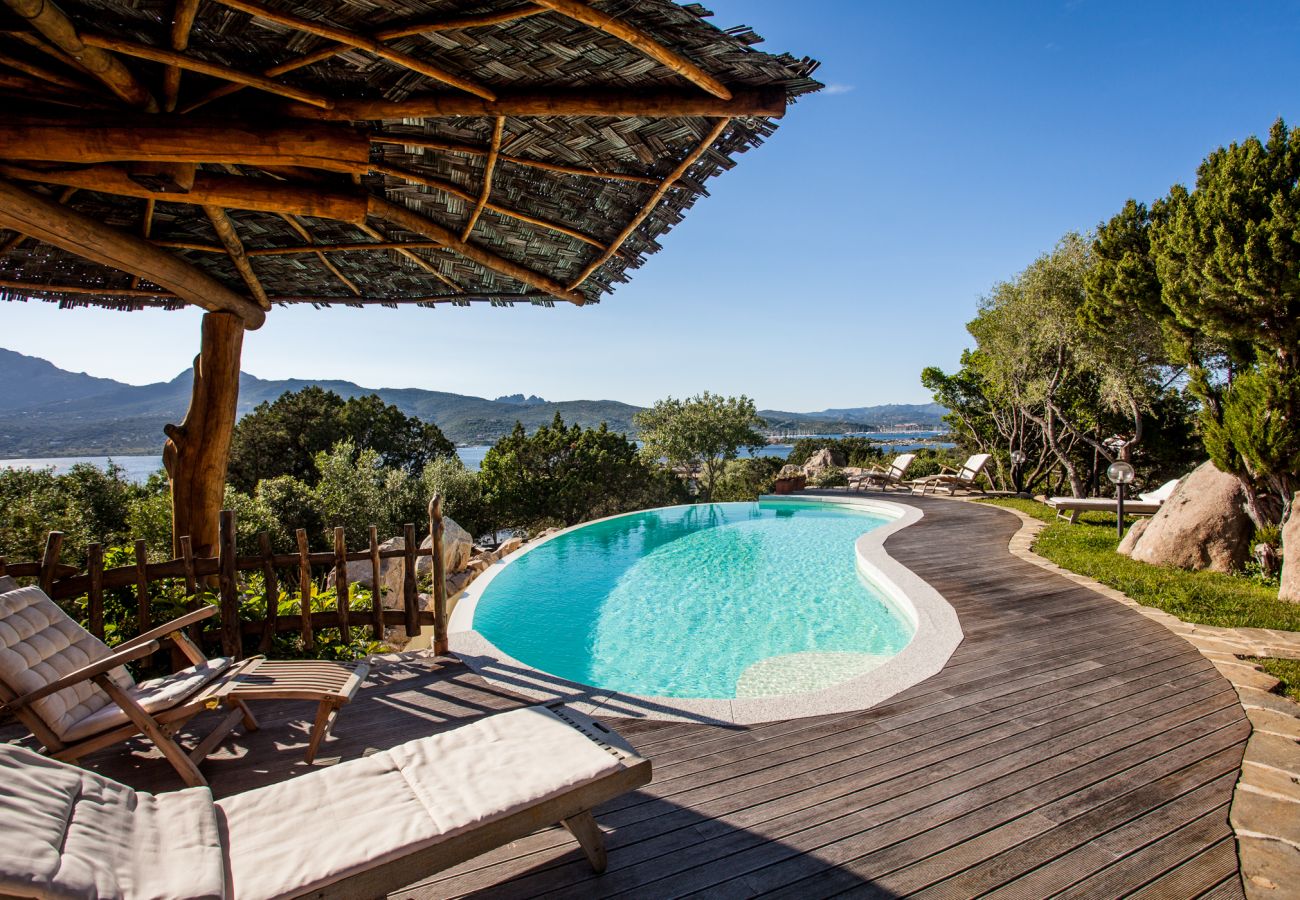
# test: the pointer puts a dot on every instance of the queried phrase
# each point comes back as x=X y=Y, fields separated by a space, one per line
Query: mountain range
x=48 y=411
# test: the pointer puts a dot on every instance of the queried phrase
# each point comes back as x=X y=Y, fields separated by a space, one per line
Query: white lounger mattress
x=292 y=837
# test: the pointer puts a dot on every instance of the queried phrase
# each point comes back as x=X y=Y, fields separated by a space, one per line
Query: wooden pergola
x=242 y=154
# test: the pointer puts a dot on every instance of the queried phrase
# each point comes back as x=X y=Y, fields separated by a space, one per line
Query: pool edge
x=937 y=635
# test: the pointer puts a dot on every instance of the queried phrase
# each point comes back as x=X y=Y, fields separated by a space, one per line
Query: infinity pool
x=724 y=600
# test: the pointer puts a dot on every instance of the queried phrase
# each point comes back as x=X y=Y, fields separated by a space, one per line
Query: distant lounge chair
x=952 y=479
x=883 y=478
x=75 y=695
x=1147 y=504
x=361 y=828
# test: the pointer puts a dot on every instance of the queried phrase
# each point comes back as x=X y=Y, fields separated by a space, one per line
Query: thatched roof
x=430 y=100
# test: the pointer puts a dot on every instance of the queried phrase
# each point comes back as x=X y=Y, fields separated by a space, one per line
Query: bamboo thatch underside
x=491 y=151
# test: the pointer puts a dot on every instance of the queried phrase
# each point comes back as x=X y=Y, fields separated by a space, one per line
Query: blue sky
x=956 y=141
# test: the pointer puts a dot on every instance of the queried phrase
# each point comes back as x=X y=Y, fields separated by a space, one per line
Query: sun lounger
x=883 y=478
x=965 y=478
x=1147 y=504
x=75 y=695
x=362 y=828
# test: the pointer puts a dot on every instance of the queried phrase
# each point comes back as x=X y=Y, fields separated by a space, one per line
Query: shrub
x=746 y=479
x=832 y=477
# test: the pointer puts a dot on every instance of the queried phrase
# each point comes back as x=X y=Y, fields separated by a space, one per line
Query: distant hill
x=46 y=411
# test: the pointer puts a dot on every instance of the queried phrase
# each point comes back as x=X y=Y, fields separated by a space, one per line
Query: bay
x=139 y=468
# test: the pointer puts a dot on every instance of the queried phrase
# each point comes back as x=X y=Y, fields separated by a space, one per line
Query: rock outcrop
x=824 y=458
x=457 y=548
x=1203 y=525
x=361 y=573
x=1290 y=589
x=1131 y=537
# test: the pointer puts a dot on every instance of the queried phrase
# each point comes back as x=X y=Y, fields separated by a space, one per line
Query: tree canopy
x=285 y=436
x=566 y=474
x=701 y=432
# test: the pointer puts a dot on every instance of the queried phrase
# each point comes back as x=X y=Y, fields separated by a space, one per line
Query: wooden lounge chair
x=1146 y=504
x=883 y=478
x=75 y=695
x=361 y=828
x=965 y=478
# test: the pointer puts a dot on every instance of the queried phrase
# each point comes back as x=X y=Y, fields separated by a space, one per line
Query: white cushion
x=299 y=835
x=69 y=833
x=40 y=643
x=1160 y=494
x=155 y=695
x=7 y=583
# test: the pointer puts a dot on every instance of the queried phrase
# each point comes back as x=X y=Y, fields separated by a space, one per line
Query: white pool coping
x=938 y=633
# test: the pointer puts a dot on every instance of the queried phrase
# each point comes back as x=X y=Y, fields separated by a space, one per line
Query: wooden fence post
x=440 y=644
x=377 y=586
x=410 y=596
x=142 y=616
x=95 y=594
x=341 y=591
x=272 y=590
x=304 y=588
x=231 y=634
x=50 y=560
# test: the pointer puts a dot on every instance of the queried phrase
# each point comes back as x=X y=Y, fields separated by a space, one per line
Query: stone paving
x=1266 y=804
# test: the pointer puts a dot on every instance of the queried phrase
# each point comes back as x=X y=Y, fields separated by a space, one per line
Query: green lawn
x=1207 y=598
x=1288 y=671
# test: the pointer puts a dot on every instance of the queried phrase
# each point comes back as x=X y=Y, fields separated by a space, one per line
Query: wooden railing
x=63 y=582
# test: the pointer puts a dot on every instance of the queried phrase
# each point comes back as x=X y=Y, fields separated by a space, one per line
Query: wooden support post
x=95 y=593
x=231 y=633
x=341 y=587
x=377 y=586
x=272 y=587
x=198 y=449
x=410 y=596
x=304 y=588
x=50 y=560
x=436 y=526
x=142 y=618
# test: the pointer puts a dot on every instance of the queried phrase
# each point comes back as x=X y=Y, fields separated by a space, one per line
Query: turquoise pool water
x=721 y=600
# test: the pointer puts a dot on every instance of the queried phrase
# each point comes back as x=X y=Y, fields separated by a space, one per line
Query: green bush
x=462 y=495
x=745 y=479
x=855 y=451
x=832 y=477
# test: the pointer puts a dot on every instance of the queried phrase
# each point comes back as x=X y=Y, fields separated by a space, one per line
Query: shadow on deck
x=1070 y=746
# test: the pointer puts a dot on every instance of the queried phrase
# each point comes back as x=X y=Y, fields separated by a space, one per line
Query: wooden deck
x=1070 y=747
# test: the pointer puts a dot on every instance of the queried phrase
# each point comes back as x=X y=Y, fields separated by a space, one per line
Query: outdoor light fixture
x=1017 y=460
x=1120 y=474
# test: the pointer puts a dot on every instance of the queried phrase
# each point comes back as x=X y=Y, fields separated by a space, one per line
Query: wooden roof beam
x=91 y=239
x=225 y=230
x=320 y=254
x=489 y=168
x=763 y=101
x=361 y=42
x=229 y=191
x=431 y=143
x=183 y=61
x=38 y=288
x=409 y=254
x=306 y=249
x=58 y=29
x=182 y=139
x=635 y=37
x=400 y=31
x=417 y=224
x=447 y=187
x=183 y=14
x=682 y=168
x=43 y=74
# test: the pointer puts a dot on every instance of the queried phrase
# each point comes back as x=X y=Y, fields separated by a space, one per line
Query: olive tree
x=701 y=432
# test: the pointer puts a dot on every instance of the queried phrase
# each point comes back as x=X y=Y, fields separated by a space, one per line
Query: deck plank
x=1070 y=744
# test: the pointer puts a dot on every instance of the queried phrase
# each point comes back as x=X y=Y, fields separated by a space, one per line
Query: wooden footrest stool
x=331 y=684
